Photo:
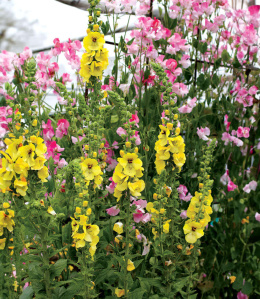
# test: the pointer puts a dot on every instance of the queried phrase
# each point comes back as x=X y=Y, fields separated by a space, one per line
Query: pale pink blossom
x=189 y=106
x=250 y=187
x=257 y=216
x=120 y=131
x=183 y=214
x=203 y=133
x=113 y=211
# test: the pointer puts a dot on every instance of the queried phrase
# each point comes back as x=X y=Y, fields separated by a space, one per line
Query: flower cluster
x=199 y=209
x=198 y=212
x=127 y=173
x=95 y=60
x=91 y=171
x=20 y=157
x=83 y=232
x=169 y=143
x=6 y=221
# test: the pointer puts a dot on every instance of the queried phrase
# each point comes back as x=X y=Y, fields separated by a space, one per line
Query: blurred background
x=35 y=23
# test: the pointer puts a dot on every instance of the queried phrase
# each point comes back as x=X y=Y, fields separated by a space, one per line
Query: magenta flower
x=243 y=132
x=240 y=295
x=48 y=131
x=231 y=186
x=62 y=129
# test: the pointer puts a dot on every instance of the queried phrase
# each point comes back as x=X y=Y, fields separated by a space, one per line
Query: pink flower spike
x=113 y=211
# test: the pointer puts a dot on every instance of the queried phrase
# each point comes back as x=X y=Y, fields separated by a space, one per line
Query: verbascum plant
x=199 y=209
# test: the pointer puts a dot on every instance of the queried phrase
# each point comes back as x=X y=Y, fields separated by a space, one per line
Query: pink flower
x=257 y=217
x=203 y=133
x=240 y=295
x=135 y=119
x=225 y=179
x=226 y=123
x=226 y=138
x=111 y=187
x=62 y=163
x=66 y=78
x=171 y=64
x=185 y=61
x=113 y=211
x=231 y=186
x=48 y=131
x=62 y=128
x=243 y=132
x=183 y=214
x=188 y=107
x=249 y=187
x=254 y=10
x=120 y=131
x=182 y=189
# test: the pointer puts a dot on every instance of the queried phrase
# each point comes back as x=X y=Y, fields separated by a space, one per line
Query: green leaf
x=217 y=63
x=215 y=81
x=195 y=43
x=27 y=293
x=238 y=284
x=200 y=79
x=58 y=267
x=114 y=119
x=247 y=288
x=225 y=56
x=130 y=42
x=205 y=84
x=203 y=47
x=236 y=63
x=136 y=294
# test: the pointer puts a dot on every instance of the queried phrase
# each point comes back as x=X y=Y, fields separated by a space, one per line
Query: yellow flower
x=163 y=136
x=130 y=265
x=102 y=56
x=96 y=69
x=85 y=73
x=179 y=159
x=34 y=123
x=232 y=279
x=93 y=41
x=39 y=163
x=136 y=187
x=166 y=227
x=90 y=169
x=193 y=231
x=21 y=167
x=119 y=292
x=13 y=147
x=87 y=58
x=43 y=174
x=117 y=194
x=160 y=165
x=131 y=163
x=2 y=243
x=118 y=227
x=6 y=219
x=176 y=145
x=28 y=153
x=21 y=186
x=51 y=211
x=6 y=205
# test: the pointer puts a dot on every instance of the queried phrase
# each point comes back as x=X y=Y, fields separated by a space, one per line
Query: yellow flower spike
x=128 y=144
x=169 y=126
x=130 y=265
x=6 y=205
x=131 y=163
x=21 y=186
x=34 y=123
